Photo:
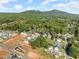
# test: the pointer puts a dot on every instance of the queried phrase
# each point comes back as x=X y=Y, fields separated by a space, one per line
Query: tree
x=74 y=52
x=40 y=42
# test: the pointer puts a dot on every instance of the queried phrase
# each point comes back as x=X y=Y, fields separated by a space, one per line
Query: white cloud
x=31 y=8
x=41 y=8
x=2 y=2
x=72 y=6
x=6 y=1
x=45 y=2
x=18 y=6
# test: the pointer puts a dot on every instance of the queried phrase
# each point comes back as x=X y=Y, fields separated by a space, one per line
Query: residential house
x=30 y=37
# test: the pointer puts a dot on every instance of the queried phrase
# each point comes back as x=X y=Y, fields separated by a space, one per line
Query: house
x=7 y=34
x=24 y=33
x=48 y=35
x=30 y=37
x=44 y=35
x=54 y=51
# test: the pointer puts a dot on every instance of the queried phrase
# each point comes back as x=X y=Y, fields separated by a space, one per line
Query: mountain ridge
x=55 y=11
x=37 y=15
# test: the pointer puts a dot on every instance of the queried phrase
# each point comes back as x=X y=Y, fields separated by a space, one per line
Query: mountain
x=24 y=20
x=56 y=13
x=37 y=15
x=52 y=12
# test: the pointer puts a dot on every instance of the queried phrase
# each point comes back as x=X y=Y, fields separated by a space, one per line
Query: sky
x=71 y=6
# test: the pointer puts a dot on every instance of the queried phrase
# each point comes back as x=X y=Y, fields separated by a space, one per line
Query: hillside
x=36 y=15
x=14 y=21
x=54 y=13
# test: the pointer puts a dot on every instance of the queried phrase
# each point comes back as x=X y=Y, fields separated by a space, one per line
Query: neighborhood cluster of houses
x=20 y=51
x=55 y=49
x=19 y=43
x=34 y=35
x=5 y=35
x=16 y=44
x=29 y=36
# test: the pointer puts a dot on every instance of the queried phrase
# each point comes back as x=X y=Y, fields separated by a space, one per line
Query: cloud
x=45 y=2
x=6 y=1
x=18 y=6
x=2 y=6
x=72 y=6
x=40 y=8
x=30 y=8
x=15 y=8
